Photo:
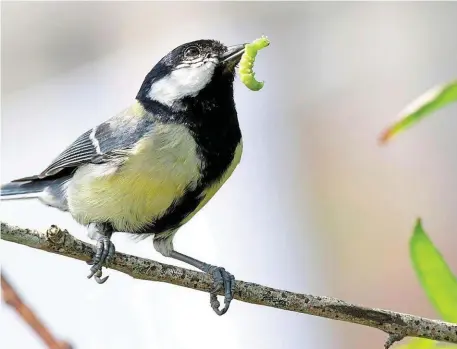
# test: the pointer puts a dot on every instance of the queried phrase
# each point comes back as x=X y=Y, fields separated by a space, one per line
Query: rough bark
x=396 y=325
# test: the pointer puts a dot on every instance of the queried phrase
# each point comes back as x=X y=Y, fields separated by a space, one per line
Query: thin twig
x=397 y=325
x=11 y=297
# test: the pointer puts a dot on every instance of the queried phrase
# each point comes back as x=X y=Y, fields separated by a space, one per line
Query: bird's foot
x=222 y=279
x=103 y=254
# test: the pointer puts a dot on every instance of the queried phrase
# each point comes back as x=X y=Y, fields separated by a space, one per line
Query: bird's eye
x=192 y=52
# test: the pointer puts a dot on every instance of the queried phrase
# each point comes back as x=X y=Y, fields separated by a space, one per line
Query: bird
x=149 y=169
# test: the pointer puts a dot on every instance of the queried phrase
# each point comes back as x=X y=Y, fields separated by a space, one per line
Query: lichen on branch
x=396 y=325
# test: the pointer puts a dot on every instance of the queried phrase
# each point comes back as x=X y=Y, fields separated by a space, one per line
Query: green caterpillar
x=247 y=75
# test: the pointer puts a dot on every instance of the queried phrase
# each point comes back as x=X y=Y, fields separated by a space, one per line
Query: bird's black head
x=189 y=69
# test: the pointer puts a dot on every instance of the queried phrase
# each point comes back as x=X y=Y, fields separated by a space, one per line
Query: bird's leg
x=104 y=251
x=221 y=278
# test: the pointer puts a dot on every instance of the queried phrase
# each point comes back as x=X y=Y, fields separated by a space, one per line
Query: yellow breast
x=158 y=171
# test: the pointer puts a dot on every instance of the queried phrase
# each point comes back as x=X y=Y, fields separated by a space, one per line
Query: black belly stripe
x=212 y=120
x=176 y=213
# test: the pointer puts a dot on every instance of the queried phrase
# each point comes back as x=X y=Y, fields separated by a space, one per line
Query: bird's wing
x=81 y=151
x=108 y=141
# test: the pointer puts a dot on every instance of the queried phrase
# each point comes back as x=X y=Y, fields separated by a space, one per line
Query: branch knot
x=56 y=235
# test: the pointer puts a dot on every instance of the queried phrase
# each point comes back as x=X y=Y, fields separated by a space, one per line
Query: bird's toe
x=104 y=253
x=221 y=280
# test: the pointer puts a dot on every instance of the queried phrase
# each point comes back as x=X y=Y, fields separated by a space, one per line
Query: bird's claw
x=105 y=251
x=224 y=279
x=98 y=277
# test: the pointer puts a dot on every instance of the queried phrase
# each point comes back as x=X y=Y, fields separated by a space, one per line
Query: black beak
x=233 y=54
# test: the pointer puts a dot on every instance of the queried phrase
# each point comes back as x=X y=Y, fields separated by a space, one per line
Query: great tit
x=149 y=169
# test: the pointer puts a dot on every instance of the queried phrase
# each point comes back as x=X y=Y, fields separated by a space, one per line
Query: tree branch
x=396 y=325
x=11 y=297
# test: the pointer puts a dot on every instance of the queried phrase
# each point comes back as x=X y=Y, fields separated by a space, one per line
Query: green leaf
x=432 y=100
x=422 y=343
x=438 y=281
x=418 y=343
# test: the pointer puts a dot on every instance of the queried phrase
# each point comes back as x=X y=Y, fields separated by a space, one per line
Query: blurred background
x=316 y=205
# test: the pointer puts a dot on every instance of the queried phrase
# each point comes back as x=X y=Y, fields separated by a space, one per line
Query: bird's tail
x=22 y=190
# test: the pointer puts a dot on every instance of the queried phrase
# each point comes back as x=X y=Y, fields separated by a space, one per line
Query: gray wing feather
x=80 y=151
x=108 y=141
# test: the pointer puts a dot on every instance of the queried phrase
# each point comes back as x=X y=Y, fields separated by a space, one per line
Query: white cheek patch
x=183 y=82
